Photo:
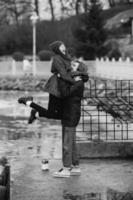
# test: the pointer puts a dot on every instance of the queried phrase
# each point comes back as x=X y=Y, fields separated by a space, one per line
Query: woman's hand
x=75 y=73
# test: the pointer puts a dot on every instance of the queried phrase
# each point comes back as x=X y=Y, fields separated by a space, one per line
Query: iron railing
x=107 y=110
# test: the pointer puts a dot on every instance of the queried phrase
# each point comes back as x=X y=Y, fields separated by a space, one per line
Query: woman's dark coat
x=60 y=65
x=71 y=92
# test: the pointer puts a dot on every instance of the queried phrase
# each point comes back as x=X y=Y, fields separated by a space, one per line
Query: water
x=26 y=145
x=17 y=137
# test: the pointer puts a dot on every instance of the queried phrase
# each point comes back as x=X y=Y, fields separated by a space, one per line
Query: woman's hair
x=54 y=46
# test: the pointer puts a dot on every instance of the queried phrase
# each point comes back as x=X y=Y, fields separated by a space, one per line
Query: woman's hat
x=54 y=46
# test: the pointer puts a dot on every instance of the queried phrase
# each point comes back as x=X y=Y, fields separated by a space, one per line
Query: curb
x=106 y=149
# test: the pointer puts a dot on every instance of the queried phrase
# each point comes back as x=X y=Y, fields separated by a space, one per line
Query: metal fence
x=107 y=110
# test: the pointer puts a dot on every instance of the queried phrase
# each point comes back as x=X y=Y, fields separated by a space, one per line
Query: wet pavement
x=26 y=145
x=96 y=179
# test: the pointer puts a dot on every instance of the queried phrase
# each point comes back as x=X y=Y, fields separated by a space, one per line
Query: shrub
x=18 y=56
x=91 y=34
x=45 y=55
x=111 y=44
x=115 y=53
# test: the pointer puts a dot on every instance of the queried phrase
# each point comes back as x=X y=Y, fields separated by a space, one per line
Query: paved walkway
x=97 y=178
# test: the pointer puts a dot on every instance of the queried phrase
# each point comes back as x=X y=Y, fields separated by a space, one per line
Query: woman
x=60 y=67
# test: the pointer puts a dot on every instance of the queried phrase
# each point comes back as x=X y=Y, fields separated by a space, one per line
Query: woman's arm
x=84 y=75
x=59 y=67
x=68 y=90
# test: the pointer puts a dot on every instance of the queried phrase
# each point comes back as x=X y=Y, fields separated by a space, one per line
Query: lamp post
x=34 y=19
x=131 y=18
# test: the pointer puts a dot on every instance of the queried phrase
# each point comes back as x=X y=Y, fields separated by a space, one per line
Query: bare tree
x=85 y=5
x=63 y=7
x=37 y=7
x=81 y=3
x=52 y=9
x=77 y=6
x=112 y=3
x=14 y=10
x=67 y=7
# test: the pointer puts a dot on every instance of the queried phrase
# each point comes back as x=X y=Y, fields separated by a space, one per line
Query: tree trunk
x=77 y=6
x=112 y=3
x=52 y=10
x=85 y=6
x=37 y=7
x=62 y=7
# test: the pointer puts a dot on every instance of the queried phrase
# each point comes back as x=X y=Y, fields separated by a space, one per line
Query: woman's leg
x=55 y=106
x=39 y=109
x=54 y=110
x=43 y=112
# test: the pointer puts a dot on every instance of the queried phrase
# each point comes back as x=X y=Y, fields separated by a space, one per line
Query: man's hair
x=76 y=60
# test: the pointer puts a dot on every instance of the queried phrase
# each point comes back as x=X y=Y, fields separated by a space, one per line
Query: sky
x=45 y=13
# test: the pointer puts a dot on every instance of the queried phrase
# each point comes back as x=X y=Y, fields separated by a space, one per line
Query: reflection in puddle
x=16 y=132
x=87 y=196
x=111 y=194
x=38 y=149
x=116 y=195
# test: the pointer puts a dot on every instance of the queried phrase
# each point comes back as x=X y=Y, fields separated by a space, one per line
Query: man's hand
x=77 y=78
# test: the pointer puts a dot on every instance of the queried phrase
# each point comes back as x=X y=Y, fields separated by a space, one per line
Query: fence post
x=128 y=59
x=13 y=67
x=7 y=174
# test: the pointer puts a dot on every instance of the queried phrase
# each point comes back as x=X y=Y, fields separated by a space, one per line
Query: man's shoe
x=32 y=117
x=75 y=171
x=23 y=100
x=62 y=173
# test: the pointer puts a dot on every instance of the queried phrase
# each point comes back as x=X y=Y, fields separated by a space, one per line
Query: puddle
x=16 y=135
x=86 y=196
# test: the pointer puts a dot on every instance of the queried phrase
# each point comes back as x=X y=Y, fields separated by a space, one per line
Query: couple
x=65 y=88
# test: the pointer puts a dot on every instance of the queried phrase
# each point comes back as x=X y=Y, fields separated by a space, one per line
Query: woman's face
x=62 y=49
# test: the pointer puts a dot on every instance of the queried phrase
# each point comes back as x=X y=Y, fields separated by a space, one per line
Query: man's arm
x=68 y=90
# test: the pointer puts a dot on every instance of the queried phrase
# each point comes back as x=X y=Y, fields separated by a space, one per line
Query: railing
x=107 y=110
x=5 y=180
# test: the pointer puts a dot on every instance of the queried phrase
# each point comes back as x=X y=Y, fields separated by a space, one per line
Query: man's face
x=62 y=49
x=74 y=65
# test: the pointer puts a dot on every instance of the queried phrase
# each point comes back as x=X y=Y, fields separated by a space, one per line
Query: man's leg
x=67 y=135
x=75 y=157
x=66 y=153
